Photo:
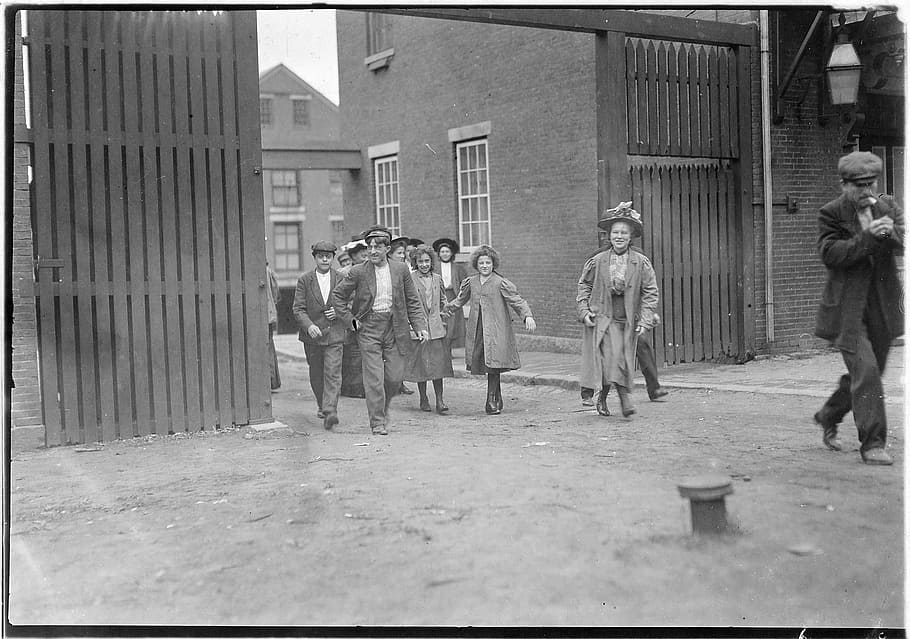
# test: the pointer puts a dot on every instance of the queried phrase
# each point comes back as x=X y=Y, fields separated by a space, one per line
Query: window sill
x=379 y=60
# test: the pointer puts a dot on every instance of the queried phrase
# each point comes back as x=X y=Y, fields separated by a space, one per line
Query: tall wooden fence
x=683 y=130
x=147 y=212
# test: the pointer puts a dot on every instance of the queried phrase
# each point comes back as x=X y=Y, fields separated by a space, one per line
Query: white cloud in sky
x=304 y=41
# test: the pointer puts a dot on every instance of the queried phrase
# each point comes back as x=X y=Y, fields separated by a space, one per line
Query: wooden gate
x=148 y=222
x=684 y=128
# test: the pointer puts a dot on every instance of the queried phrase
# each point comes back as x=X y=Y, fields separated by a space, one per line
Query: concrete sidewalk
x=812 y=374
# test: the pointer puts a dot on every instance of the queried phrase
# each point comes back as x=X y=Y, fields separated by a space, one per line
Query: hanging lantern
x=843 y=70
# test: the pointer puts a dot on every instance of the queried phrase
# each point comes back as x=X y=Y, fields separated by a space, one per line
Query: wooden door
x=682 y=153
x=148 y=222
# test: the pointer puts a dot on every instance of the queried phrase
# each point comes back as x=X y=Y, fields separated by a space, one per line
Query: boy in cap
x=384 y=306
x=321 y=330
x=860 y=310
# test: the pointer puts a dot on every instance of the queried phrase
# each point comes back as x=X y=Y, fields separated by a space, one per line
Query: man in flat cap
x=860 y=310
x=384 y=307
x=321 y=330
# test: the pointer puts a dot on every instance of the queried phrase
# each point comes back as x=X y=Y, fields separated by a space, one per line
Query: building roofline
x=283 y=67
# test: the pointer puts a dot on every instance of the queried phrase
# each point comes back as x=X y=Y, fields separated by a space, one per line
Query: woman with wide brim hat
x=453 y=274
x=617 y=299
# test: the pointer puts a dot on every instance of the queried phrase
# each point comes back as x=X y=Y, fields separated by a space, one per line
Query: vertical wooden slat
x=202 y=215
x=723 y=95
x=641 y=82
x=100 y=230
x=83 y=233
x=704 y=104
x=233 y=226
x=249 y=133
x=63 y=212
x=732 y=259
x=632 y=107
x=673 y=99
x=47 y=329
x=611 y=124
x=671 y=257
x=170 y=246
x=709 y=316
x=220 y=309
x=663 y=115
x=660 y=204
x=714 y=99
x=719 y=256
x=688 y=230
x=682 y=61
x=733 y=101
x=186 y=231
x=150 y=183
x=132 y=194
x=694 y=105
x=653 y=141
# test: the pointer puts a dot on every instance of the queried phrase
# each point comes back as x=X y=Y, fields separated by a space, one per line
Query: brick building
x=302 y=206
x=489 y=133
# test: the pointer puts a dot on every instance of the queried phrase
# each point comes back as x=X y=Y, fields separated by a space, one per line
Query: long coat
x=309 y=307
x=360 y=282
x=640 y=297
x=433 y=305
x=494 y=298
x=855 y=261
x=455 y=326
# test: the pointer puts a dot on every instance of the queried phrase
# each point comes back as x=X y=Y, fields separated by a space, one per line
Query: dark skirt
x=477 y=364
x=352 y=369
x=455 y=323
x=428 y=361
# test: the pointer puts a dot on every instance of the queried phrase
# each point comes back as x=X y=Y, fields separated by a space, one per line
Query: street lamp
x=843 y=69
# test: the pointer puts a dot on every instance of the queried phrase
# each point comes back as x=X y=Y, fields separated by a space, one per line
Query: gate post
x=611 y=119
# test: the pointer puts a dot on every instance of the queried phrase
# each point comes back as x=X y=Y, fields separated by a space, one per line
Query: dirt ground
x=545 y=515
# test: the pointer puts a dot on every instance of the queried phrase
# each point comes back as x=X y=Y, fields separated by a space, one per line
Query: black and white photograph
x=330 y=318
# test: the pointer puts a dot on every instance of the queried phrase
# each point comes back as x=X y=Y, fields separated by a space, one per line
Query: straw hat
x=622 y=212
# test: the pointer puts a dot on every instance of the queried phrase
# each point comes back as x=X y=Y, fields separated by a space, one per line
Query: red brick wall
x=26 y=398
x=542 y=175
x=536 y=87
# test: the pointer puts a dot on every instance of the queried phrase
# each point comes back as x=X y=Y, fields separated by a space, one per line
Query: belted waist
x=379 y=314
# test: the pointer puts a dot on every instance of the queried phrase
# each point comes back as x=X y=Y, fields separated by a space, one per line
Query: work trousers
x=325 y=373
x=275 y=376
x=383 y=365
x=860 y=390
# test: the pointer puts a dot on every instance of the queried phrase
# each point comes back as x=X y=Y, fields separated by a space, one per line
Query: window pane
x=482 y=156
x=483 y=212
x=482 y=186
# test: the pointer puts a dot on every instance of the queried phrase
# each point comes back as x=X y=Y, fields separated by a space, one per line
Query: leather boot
x=491 y=406
x=498 y=394
x=602 y=402
x=441 y=407
x=424 y=400
x=625 y=400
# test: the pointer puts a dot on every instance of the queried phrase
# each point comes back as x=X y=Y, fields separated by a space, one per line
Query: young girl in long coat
x=431 y=360
x=490 y=346
x=453 y=274
x=617 y=298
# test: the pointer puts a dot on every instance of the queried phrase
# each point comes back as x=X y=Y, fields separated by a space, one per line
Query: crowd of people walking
x=395 y=308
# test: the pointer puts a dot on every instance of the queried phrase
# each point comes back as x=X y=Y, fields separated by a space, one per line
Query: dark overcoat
x=855 y=261
x=359 y=288
x=308 y=310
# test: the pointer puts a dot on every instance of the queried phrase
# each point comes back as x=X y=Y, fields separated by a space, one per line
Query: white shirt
x=325 y=285
x=445 y=269
x=382 y=303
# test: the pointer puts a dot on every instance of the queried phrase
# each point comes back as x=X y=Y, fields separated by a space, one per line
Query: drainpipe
x=766 y=171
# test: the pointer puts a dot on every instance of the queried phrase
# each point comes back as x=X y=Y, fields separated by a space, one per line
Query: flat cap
x=323 y=246
x=377 y=232
x=859 y=165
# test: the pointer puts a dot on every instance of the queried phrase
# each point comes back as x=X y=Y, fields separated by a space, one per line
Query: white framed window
x=287 y=246
x=379 y=33
x=385 y=172
x=284 y=189
x=473 y=181
x=266 y=117
x=301 y=112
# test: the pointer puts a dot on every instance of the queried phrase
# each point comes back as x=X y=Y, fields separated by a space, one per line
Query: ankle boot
x=441 y=407
x=498 y=395
x=424 y=400
x=625 y=400
x=602 y=402
x=492 y=407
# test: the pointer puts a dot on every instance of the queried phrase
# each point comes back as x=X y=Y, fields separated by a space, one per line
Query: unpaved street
x=545 y=515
